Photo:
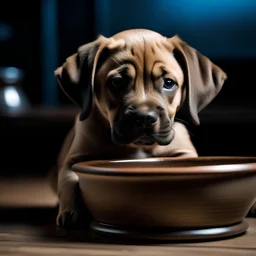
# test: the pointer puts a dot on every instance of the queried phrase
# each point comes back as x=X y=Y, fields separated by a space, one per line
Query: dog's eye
x=116 y=83
x=169 y=84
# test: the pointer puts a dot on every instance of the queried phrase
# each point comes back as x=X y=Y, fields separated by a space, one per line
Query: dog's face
x=139 y=81
x=139 y=89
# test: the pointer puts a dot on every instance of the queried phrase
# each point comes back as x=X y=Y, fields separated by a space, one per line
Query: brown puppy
x=130 y=88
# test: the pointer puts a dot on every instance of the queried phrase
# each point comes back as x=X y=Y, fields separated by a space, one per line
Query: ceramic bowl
x=174 y=194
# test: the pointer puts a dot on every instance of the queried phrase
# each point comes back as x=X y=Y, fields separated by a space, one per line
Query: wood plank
x=33 y=248
x=25 y=233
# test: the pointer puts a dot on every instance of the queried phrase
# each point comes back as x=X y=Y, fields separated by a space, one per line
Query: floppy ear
x=203 y=79
x=76 y=75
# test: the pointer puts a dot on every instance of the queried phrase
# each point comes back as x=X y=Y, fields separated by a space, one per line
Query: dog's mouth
x=142 y=128
x=146 y=139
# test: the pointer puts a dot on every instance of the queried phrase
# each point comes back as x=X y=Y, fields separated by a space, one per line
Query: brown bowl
x=176 y=194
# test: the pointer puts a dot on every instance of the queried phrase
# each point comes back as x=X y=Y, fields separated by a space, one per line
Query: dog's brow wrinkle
x=144 y=61
x=125 y=46
x=156 y=73
x=132 y=51
x=124 y=71
x=163 y=69
x=122 y=60
x=115 y=61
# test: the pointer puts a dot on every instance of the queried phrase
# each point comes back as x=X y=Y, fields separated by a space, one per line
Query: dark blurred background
x=37 y=36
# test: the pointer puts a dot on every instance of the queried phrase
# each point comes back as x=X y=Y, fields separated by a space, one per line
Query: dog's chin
x=144 y=140
x=164 y=140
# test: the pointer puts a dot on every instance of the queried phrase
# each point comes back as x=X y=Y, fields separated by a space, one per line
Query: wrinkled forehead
x=149 y=55
x=142 y=47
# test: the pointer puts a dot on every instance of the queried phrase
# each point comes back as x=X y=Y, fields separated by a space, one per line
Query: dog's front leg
x=72 y=211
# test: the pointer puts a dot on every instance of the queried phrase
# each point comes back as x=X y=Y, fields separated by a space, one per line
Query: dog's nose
x=145 y=120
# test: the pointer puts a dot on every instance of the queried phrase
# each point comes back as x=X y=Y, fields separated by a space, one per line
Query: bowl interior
x=167 y=165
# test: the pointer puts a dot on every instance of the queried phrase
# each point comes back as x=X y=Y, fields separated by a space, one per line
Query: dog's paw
x=74 y=219
x=72 y=210
x=67 y=219
x=70 y=219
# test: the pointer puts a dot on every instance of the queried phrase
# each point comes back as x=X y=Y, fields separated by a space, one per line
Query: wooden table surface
x=27 y=227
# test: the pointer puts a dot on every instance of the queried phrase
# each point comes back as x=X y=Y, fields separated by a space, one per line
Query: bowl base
x=166 y=234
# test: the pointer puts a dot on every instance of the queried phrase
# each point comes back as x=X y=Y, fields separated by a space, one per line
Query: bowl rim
x=248 y=165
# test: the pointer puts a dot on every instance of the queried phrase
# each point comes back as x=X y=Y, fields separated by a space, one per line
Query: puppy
x=130 y=88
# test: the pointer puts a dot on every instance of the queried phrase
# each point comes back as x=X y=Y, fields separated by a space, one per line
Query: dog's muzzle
x=140 y=128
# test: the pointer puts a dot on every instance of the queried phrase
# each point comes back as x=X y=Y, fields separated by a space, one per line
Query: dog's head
x=139 y=80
